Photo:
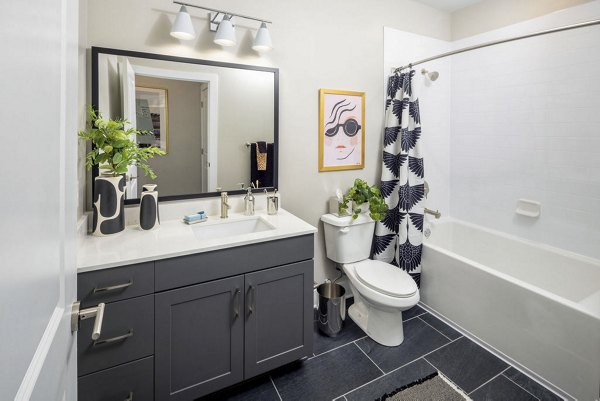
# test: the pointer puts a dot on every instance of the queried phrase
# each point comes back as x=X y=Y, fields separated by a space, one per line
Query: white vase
x=149 y=217
x=108 y=205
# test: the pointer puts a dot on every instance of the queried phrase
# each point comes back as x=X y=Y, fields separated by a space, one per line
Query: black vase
x=108 y=205
x=149 y=218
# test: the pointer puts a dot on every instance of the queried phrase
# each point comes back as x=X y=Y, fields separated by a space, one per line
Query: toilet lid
x=385 y=278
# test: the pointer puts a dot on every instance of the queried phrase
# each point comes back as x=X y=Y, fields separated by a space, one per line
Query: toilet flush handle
x=345 y=230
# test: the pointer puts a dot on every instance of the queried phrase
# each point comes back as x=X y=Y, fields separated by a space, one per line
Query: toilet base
x=383 y=327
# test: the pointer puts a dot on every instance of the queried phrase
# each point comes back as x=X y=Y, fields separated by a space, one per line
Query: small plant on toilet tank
x=361 y=193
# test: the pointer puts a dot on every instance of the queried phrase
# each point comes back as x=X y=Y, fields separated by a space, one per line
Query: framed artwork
x=152 y=114
x=341 y=130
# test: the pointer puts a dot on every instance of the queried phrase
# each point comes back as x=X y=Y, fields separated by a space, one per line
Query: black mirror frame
x=96 y=51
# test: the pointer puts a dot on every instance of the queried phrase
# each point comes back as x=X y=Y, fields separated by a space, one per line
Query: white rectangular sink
x=221 y=229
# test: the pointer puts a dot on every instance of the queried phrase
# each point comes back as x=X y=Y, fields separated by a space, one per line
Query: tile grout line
x=434 y=328
x=414 y=317
x=277 y=391
x=333 y=349
x=400 y=367
x=483 y=384
x=517 y=384
x=381 y=370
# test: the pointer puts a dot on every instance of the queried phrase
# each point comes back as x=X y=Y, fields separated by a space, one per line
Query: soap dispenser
x=249 y=203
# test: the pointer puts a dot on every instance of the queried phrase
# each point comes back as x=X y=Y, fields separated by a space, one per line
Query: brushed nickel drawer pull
x=113 y=287
x=113 y=339
x=236 y=303
x=130 y=396
x=251 y=299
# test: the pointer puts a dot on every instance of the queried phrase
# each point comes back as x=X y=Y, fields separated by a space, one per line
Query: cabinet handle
x=113 y=339
x=236 y=303
x=129 y=397
x=251 y=299
x=112 y=287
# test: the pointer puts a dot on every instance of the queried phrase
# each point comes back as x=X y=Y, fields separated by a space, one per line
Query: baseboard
x=553 y=388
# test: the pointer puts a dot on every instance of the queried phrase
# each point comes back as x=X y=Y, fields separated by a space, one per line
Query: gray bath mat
x=431 y=388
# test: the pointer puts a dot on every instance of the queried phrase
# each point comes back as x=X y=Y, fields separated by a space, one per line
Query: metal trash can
x=332 y=308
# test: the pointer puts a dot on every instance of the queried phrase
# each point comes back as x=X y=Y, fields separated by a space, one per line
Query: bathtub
x=536 y=306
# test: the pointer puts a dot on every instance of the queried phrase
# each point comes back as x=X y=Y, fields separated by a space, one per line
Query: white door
x=204 y=136
x=38 y=198
x=127 y=76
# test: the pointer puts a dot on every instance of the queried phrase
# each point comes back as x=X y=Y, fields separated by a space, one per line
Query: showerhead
x=432 y=76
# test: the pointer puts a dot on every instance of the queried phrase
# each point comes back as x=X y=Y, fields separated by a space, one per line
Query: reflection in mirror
x=216 y=121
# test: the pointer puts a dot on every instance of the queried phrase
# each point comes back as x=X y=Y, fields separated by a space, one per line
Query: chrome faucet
x=224 y=205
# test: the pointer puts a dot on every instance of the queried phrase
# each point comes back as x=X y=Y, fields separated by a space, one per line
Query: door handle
x=83 y=314
x=113 y=339
x=236 y=303
x=251 y=299
x=129 y=397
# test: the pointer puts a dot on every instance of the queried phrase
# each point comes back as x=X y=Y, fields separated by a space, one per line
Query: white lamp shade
x=225 y=35
x=262 y=41
x=182 y=27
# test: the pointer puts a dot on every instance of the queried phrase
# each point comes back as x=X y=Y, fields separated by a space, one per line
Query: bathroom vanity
x=194 y=309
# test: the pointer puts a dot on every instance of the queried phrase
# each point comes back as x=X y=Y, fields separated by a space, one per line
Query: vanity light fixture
x=225 y=35
x=262 y=41
x=182 y=27
x=220 y=21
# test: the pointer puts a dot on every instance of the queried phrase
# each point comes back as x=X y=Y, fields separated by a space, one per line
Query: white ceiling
x=449 y=5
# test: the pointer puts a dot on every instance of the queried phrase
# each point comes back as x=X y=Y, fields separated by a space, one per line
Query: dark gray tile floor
x=352 y=367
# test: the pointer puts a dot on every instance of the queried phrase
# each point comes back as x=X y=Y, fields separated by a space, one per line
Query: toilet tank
x=348 y=240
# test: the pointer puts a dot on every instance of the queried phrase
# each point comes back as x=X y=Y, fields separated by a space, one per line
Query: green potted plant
x=113 y=151
x=361 y=193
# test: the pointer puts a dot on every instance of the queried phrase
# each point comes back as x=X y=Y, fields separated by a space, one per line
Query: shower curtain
x=399 y=237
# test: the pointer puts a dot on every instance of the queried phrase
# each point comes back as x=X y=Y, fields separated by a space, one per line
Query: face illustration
x=342 y=133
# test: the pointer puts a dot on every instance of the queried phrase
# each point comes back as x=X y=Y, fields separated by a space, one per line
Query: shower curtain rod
x=496 y=42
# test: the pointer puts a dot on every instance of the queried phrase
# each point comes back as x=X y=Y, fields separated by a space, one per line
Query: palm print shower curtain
x=399 y=237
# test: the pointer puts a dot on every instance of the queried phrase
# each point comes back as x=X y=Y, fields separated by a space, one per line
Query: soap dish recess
x=529 y=208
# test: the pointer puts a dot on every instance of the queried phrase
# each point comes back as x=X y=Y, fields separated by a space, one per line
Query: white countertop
x=174 y=238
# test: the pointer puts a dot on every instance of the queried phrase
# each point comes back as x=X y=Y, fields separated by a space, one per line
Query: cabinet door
x=199 y=339
x=279 y=316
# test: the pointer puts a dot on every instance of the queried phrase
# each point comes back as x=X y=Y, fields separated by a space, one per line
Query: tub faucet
x=224 y=205
x=434 y=213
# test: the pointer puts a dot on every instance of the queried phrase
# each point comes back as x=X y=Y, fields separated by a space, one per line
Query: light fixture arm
x=222 y=12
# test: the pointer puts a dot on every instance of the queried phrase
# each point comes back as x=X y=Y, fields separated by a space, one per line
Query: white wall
x=488 y=15
x=334 y=44
x=526 y=125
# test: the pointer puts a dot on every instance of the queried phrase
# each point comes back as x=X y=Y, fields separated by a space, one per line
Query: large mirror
x=218 y=122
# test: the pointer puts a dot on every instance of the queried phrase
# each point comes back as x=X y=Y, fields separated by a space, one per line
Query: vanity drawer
x=109 y=285
x=202 y=267
x=127 y=334
x=131 y=381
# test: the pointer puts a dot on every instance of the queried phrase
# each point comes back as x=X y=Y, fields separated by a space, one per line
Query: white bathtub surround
x=398 y=237
x=518 y=121
x=537 y=305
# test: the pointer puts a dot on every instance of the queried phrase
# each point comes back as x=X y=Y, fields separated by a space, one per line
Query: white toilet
x=381 y=291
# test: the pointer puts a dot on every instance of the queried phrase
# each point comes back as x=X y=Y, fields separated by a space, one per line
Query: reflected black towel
x=262 y=146
x=264 y=178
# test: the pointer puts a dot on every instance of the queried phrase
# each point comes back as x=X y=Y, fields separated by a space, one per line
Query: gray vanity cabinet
x=279 y=314
x=180 y=328
x=199 y=339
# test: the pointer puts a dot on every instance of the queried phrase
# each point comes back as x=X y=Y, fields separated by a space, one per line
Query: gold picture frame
x=341 y=130
x=152 y=114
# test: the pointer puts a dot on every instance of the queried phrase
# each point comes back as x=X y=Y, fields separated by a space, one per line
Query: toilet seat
x=385 y=278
